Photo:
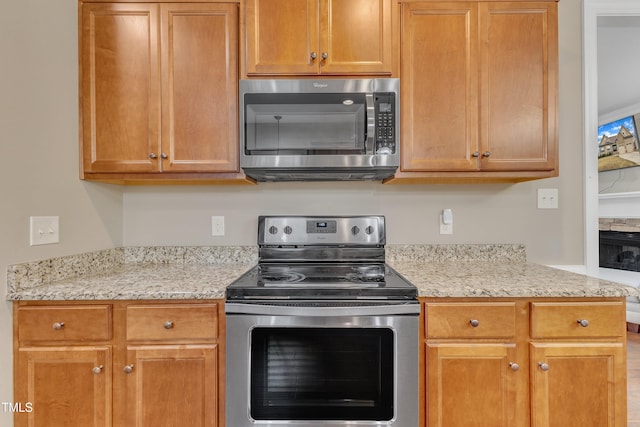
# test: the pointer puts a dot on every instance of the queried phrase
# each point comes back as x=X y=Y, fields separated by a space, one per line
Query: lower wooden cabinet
x=581 y=384
x=578 y=364
x=141 y=364
x=63 y=386
x=465 y=380
x=524 y=363
x=168 y=385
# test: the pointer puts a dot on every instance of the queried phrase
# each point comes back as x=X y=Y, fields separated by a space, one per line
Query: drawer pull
x=128 y=369
x=583 y=322
x=98 y=369
x=58 y=325
x=514 y=366
x=168 y=324
x=543 y=366
x=474 y=322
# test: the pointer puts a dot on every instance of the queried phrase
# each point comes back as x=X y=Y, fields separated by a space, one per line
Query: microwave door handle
x=371 y=124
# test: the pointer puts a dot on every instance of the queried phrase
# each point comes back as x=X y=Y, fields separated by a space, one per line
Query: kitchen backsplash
x=441 y=253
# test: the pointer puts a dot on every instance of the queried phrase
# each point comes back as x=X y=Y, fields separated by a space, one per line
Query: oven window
x=305 y=124
x=322 y=374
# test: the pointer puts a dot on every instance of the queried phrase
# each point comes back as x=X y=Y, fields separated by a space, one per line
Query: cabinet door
x=439 y=87
x=64 y=385
x=120 y=95
x=518 y=81
x=172 y=386
x=578 y=384
x=474 y=385
x=355 y=36
x=282 y=36
x=199 y=87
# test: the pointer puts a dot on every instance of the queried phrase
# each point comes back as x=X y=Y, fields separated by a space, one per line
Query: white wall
x=38 y=134
x=39 y=154
x=618 y=88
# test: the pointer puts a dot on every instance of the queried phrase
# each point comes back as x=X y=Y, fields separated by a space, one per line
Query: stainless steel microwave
x=319 y=130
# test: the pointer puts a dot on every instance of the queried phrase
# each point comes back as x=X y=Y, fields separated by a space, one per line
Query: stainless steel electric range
x=322 y=332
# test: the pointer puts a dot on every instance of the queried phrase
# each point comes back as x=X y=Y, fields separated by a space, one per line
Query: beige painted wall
x=38 y=134
x=38 y=148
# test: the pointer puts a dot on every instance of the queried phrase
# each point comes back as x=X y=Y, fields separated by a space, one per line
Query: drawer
x=65 y=323
x=577 y=319
x=470 y=320
x=172 y=322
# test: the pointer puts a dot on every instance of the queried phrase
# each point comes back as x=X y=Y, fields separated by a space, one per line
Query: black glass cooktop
x=321 y=281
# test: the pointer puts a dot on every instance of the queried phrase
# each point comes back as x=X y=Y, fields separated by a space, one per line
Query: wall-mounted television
x=618 y=144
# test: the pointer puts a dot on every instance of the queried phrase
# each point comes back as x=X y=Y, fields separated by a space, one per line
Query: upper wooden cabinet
x=159 y=86
x=479 y=91
x=309 y=37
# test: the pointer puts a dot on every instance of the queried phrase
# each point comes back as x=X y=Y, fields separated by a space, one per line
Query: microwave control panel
x=385 y=123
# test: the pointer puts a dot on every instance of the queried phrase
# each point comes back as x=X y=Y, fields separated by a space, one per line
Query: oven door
x=325 y=367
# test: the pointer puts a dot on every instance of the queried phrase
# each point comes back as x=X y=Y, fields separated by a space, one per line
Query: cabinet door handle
x=474 y=322
x=325 y=55
x=98 y=369
x=486 y=154
x=168 y=324
x=153 y=156
x=58 y=325
x=514 y=366
x=543 y=366
x=475 y=154
x=313 y=55
x=583 y=322
x=128 y=369
x=164 y=156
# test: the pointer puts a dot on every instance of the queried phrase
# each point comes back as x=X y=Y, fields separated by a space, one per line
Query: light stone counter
x=132 y=274
x=491 y=271
x=502 y=279
x=204 y=273
x=147 y=281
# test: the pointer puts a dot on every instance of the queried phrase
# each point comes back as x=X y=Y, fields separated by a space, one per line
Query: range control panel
x=330 y=230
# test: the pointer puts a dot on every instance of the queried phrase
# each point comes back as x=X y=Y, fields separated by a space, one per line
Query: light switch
x=547 y=198
x=44 y=230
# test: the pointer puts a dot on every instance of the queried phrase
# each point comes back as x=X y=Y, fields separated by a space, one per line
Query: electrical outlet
x=217 y=226
x=547 y=198
x=44 y=230
x=446 y=222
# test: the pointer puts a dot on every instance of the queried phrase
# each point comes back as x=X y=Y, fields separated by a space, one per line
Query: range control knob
x=273 y=229
x=288 y=229
x=368 y=230
x=355 y=230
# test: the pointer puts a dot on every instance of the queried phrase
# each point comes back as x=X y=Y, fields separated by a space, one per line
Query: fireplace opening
x=620 y=250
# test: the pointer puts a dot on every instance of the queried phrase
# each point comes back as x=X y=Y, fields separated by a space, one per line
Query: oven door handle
x=311 y=310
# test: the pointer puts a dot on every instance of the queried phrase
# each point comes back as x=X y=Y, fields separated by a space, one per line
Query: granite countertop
x=482 y=279
x=205 y=272
x=134 y=282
